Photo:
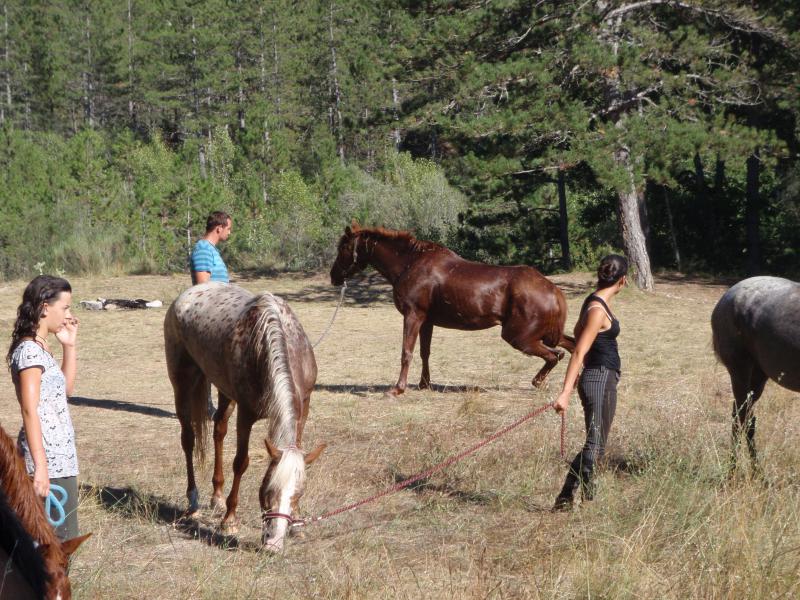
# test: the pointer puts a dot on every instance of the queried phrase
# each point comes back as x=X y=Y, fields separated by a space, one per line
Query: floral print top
x=57 y=431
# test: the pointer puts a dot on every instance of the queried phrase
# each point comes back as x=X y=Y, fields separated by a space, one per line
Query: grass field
x=667 y=522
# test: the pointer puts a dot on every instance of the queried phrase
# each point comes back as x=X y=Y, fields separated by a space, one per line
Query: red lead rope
x=425 y=474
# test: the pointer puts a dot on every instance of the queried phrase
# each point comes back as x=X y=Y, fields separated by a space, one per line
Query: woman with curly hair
x=47 y=438
x=596 y=351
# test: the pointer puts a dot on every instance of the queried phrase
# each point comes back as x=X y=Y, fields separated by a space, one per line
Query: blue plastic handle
x=57 y=498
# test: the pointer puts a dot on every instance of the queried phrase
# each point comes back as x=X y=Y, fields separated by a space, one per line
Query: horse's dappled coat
x=254 y=350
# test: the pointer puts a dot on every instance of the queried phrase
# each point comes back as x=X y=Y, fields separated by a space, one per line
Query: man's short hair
x=216 y=219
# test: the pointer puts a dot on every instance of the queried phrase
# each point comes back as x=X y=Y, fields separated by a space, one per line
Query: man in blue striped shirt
x=207 y=264
x=206 y=261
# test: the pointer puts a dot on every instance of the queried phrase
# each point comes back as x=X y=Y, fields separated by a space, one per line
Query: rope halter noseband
x=268 y=515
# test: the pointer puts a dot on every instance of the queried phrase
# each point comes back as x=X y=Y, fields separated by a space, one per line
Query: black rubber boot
x=588 y=486
x=566 y=495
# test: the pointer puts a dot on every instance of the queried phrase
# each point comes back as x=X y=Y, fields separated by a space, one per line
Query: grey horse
x=756 y=329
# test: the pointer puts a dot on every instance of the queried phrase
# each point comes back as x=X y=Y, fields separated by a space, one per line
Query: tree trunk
x=672 y=237
x=240 y=91
x=336 y=110
x=633 y=237
x=631 y=207
x=395 y=114
x=719 y=176
x=5 y=109
x=131 y=115
x=88 y=85
x=563 y=223
x=751 y=215
x=706 y=204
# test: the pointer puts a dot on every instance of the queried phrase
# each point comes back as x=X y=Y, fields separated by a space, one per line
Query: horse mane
x=20 y=548
x=20 y=493
x=268 y=350
x=292 y=463
x=28 y=508
x=401 y=235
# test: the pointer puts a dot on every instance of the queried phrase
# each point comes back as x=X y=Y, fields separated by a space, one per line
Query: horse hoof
x=229 y=527
x=393 y=393
x=218 y=506
x=537 y=383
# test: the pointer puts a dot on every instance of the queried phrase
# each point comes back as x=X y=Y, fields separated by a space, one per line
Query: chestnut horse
x=433 y=286
x=33 y=561
x=254 y=350
x=756 y=329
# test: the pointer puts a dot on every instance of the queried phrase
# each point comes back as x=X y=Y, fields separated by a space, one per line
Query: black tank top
x=604 y=351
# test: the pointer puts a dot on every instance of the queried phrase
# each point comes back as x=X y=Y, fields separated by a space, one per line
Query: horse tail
x=268 y=353
x=565 y=341
x=721 y=320
x=191 y=391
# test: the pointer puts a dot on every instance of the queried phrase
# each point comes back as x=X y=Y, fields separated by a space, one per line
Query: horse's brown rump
x=433 y=286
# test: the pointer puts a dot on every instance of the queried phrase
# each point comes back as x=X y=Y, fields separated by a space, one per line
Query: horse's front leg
x=221 y=418
x=244 y=424
x=411 y=325
x=425 y=335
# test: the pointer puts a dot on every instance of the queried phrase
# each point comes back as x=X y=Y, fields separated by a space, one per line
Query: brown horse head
x=281 y=489
x=352 y=255
x=56 y=559
x=28 y=510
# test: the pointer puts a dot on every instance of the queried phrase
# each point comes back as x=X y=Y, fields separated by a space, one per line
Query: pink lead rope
x=425 y=474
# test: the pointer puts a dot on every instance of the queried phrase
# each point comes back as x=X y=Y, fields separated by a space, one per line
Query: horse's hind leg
x=425 y=335
x=532 y=345
x=221 y=418
x=748 y=383
x=190 y=387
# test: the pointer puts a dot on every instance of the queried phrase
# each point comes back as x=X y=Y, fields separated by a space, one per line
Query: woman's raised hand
x=68 y=334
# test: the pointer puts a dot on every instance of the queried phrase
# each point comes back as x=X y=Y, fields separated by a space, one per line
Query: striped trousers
x=597 y=389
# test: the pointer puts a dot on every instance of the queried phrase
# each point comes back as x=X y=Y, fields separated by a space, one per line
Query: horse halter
x=267 y=515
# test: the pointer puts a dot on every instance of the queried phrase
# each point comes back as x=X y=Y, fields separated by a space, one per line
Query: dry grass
x=666 y=522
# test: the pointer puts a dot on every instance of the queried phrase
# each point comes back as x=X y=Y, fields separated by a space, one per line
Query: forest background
x=538 y=132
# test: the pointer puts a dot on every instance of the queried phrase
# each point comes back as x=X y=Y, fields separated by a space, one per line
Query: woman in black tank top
x=596 y=351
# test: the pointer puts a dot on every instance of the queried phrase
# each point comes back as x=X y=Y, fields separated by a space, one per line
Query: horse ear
x=314 y=454
x=69 y=546
x=347 y=230
x=354 y=225
x=274 y=453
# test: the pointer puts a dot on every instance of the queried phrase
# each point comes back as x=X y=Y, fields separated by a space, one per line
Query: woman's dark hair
x=612 y=268
x=41 y=289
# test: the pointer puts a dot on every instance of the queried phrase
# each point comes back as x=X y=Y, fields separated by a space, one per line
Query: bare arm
x=30 y=383
x=593 y=323
x=201 y=276
x=68 y=337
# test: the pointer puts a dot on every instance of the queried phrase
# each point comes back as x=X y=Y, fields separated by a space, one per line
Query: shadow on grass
x=141 y=409
x=131 y=504
x=362 y=291
x=424 y=485
x=628 y=465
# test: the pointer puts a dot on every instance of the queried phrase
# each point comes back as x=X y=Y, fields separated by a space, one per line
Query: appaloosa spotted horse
x=254 y=350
